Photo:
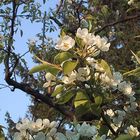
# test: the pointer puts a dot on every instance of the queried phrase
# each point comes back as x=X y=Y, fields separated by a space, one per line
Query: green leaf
x=80 y=99
x=124 y=137
x=103 y=130
x=137 y=58
x=105 y=66
x=82 y=109
x=89 y=25
x=63 y=32
x=61 y=57
x=46 y=67
x=135 y=72
x=38 y=68
x=98 y=100
x=66 y=97
x=57 y=91
x=79 y=42
x=69 y=66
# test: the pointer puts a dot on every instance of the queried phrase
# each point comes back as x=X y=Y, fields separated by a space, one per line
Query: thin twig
x=107 y=124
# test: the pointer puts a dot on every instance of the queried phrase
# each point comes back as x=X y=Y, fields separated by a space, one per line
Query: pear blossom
x=70 y=78
x=49 y=76
x=133 y=131
x=53 y=124
x=46 y=122
x=91 y=61
x=119 y=116
x=102 y=43
x=23 y=125
x=32 y=42
x=52 y=132
x=72 y=135
x=21 y=135
x=110 y=112
x=65 y=43
x=105 y=79
x=88 y=38
x=60 y=136
x=83 y=74
x=125 y=88
x=86 y=130
x=130 y=2
x=82 y=33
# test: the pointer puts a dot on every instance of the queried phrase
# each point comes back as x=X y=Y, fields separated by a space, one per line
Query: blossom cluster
x=86 y=47
x=44 y=129
x=27 y=128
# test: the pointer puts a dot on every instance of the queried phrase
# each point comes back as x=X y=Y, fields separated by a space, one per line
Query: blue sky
x=17 y=102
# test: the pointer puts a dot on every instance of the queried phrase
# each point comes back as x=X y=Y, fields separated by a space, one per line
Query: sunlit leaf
x=80 y=99
x=135 y=72
x=45 y=67
x=105 y=66
x=124 y=137
x=57 y=91
x=69 y=66
x=98 y=100
x=66 y=97
x=61 y=57
x=137 y=58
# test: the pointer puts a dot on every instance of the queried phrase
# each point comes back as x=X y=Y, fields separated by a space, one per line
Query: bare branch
x=128 y=18
x=38 y=96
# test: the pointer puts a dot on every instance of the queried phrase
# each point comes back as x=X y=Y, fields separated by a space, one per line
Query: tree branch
x=25 y=87
x=128 y=18
x=46 y=99
x=107 y=124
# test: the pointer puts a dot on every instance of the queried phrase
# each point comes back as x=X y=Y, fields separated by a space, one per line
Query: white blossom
x=86 y=130
x=125 y=88
x=133 y=131
x=83 y=74
x=102 y=43
x=65 y=43
x=70 y=78
x=49 y=76
x=82 y=33
x=119 y=116
x=110 y=112
x=32 y=42
x=131 y=2
x=88 y=38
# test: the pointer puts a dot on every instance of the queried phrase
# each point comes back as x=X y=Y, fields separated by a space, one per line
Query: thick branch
x=26 y=88
x=129 y=18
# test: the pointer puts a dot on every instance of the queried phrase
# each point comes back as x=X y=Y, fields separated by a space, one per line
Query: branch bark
x=128 y=18
x=46 y=99
x=25 y=87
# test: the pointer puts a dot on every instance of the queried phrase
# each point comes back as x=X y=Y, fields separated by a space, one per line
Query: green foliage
x=124 y=137
x=61 y=57
x=65 y=97
x=69 y=66
x=57 y=91
x=106 y=67
x=80 y=99
x=98 y=100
